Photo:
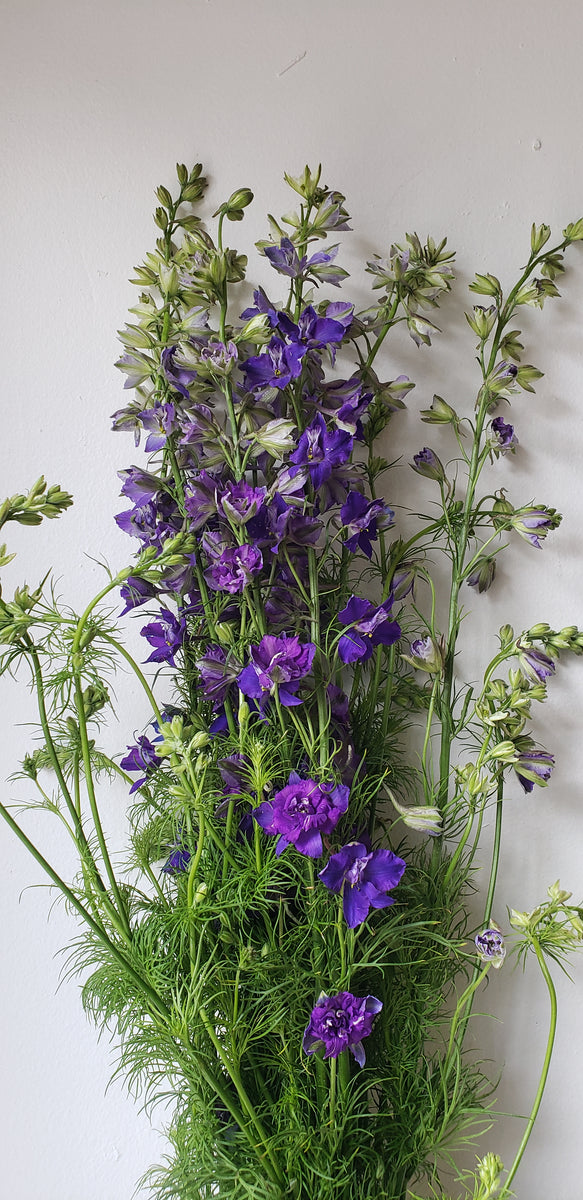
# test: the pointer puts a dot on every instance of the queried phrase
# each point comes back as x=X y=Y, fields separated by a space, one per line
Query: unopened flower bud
x=428 y=464
x=490 y=946
x=420 y=817
x=558 y=894
x=483 y=574
x=506 y=635
x=490 y=1168
x=426 y=655
x=440 y=413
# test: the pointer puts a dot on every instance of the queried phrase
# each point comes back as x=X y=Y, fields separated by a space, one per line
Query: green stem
x=545 y=1067
x=71 y=898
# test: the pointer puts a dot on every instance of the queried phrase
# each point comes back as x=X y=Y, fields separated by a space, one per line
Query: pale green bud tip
x=490 y=1168
x=558 y=894
x=420 y=817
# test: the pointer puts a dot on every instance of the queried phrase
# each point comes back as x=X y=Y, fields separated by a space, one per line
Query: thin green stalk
x=274 y=1173
x=545 y=1067
x=120 y=909
x=99 y=932
x=137 y=672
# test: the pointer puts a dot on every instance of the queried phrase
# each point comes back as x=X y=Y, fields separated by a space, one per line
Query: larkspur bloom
x=277 y=663
x=504 y=436
x=179 y=859
x=179 y=377
x=364 y=877
x=426 y=655
x=533 y=662
x=142 y=758
x=490 y=946
x=534 y=767
x=275 y=368
x=483 y=574
x=369 y=627
x=239 y=502
x=218 y=672
x=135 y=591
x=314 y=331
x=140 y=486
x=200 y=500
x=428 y=464
x=340 y=1023
x=286 y=260
x=301 y=812
x=319 y=451
x=160 y=420
x=362 y=519
x=166 y=636
x=533 y=523
x=234 y=569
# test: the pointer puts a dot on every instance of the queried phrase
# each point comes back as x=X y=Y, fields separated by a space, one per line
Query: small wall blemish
x=294 y=62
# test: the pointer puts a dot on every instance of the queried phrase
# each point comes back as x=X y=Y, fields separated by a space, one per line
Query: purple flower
x=364 y=877
x=320 y=450
x=166 y=636
x=218 y=356
x=142 y=758
x=262 y=306
x=427 y=463
x=490 y=946
x=275 y=368
x=239 y=502
x=286 y=260
x=344 y=401
x=161 y=421
x=135 y=591
x=534 y=663
x=314 y=331
x=534 y=766
x=369 y=627
x=340 y=1023
x=426 y=655
x=301 y=812
x=178 y=377
x=153 y=522
x=533 y=523
x=200 y=500
x=483 y=574
x=277 y=662
x=217 y=673
x=362 y=519
x=505 y=437
x=140 y=486
x=179 y=859
x=290 y=525
x=235 y=569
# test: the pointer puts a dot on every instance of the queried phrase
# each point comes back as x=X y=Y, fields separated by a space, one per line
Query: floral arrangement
x=286 y=949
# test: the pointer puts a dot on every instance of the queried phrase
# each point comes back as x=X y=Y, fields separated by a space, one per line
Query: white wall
x=455 y=118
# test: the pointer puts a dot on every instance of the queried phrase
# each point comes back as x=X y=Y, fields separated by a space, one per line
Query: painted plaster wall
x=451 y=118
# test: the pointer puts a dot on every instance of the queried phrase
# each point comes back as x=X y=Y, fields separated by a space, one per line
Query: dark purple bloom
x=534 y=766
x=142 y=758
x=320 y=450
x=534 y=663
x=314 y=331
x=235 y=569
x=286 y=260
x=490 y=946
x=290 y=525
x=139 y=486
x=239 y=502
x=200 y=500
x=275 y=368
x=364 y=877
x=160 y=420
x=505 y=436
x=178 y=377
x=178 y=861
x=277 y=662
x=369 y=627
x=217 y=673
x=344 y=401
x=262 y=306
x=340 y=1023
x=153 y=522
x=135 y=591
x=362 y=519
x=166 y=636
x=533 y=523
x=427 y=463
x=483 y=574
x=301 y=812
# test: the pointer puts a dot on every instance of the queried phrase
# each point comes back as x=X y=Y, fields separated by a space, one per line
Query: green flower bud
x=276 y=437
x=558 y=894
x=539 y=237
x=487 y=285
x=440 y=413
x=257 y=330
x=482 y=320
x=169 y=282
x=506 y=635
x=574 y=231
x=225 y=633
x=490 y=1168
x=420 y=817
